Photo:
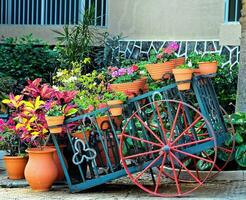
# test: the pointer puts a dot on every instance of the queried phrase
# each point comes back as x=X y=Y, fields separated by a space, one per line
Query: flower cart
x=165 y=137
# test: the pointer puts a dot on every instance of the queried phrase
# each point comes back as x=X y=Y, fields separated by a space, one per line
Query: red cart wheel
x=168 y=144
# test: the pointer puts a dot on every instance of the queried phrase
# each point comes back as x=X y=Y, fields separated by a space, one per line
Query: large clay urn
x=41 y=170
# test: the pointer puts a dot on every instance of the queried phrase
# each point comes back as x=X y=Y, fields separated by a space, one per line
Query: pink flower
x=168 y=51
x=122 y=71
x=129 y=71
x=159 y=56
x=174 y=46
x=90 y=108
x=115 y=74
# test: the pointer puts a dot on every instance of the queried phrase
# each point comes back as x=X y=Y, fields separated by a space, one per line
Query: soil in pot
x=15 y=166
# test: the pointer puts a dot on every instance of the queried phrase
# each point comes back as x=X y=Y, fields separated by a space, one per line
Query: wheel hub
x=166 y=149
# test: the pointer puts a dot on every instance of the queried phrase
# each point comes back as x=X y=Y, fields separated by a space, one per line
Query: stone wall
x=136 y=49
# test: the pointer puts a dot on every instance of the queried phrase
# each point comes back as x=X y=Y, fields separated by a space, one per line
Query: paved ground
x=214 y=190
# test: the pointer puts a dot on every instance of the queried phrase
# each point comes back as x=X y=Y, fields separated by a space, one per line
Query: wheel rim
x=168 y=146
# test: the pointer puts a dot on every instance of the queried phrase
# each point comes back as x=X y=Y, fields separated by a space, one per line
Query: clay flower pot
x=114 y=110
x=15 y=166
x=130 y=87
x=158 y=70
x=141 y=83
x=178 y=61
x=60 y=175
x=208 y=67
x=55 y=121
x=41 y=170
x=103 y=122
x=80 y=135
x=183 y=75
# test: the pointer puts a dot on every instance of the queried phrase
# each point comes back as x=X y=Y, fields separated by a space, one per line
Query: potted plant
x=162 y=63
x=114 y=101
x=206 y=63
x=10 y=141
x=124 y=79
x=183 y=75
x=209 y=62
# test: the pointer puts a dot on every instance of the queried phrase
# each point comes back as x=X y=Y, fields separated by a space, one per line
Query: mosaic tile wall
x=138 y=49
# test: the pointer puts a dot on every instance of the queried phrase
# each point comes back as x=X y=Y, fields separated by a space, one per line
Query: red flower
x=134 y=68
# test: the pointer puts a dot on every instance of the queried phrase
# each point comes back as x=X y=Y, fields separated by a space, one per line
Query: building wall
x=165 y=19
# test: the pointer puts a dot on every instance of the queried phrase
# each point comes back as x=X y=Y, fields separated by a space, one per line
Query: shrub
x=27 y=58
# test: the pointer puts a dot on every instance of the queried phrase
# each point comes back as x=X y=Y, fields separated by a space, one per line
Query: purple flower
x=122 y=71
x=115 y=74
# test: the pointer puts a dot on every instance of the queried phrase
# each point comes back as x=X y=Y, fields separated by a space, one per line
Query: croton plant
x=28 y=110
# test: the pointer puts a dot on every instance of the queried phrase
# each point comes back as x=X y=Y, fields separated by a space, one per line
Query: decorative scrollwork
x=81 y=152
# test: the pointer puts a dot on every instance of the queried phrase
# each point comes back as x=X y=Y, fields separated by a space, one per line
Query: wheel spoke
x=161 y=123
x=140 y=174
x=188 y=171
x=142 y=122
x=160 y=173
x=175 y=175
x=142 y=154
x=224 y=149
x=174 y=122
x=142 y=140
x=215 y=165
x=194 y=142
x=186 y=130
x=193 y=156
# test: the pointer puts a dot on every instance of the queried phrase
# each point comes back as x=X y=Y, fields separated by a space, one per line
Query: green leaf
x=202 y=165
x=238 y=138
x=240 y=155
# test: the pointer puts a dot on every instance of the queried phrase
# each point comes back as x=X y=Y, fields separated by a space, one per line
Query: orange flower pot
x=130 y=87
x=183 y=75
x=158 y=70
x=114 y=110
x=81 y=136
x=41 y=170
x=15 y=166
x=208 y=67
x=178 y=61
x=55 y=121
x=196 y=72
x=60 y=175
x=103 y=122
x=141 y=83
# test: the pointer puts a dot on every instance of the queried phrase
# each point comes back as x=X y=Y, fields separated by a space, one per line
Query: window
x=50 y=12
x=233 y=10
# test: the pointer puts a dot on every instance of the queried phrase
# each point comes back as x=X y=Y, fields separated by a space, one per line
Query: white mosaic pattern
x=138 y=49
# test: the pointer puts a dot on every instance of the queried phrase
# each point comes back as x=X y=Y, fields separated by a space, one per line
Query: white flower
x=55 y=87
x=190 y=64
x=58 y=74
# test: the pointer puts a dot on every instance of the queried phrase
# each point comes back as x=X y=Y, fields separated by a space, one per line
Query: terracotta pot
x=60 y=175
x=127 y=88
x=141 y=82
x=158 y=70
x=15 y=166
x=103 y=122
x=117 y=111
x=55 y=121
x=183 y=75
x=101 y=156
x=41 y=170
x=178 y=61
x=196 y=71
x=208 y=67
x=81 y=136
